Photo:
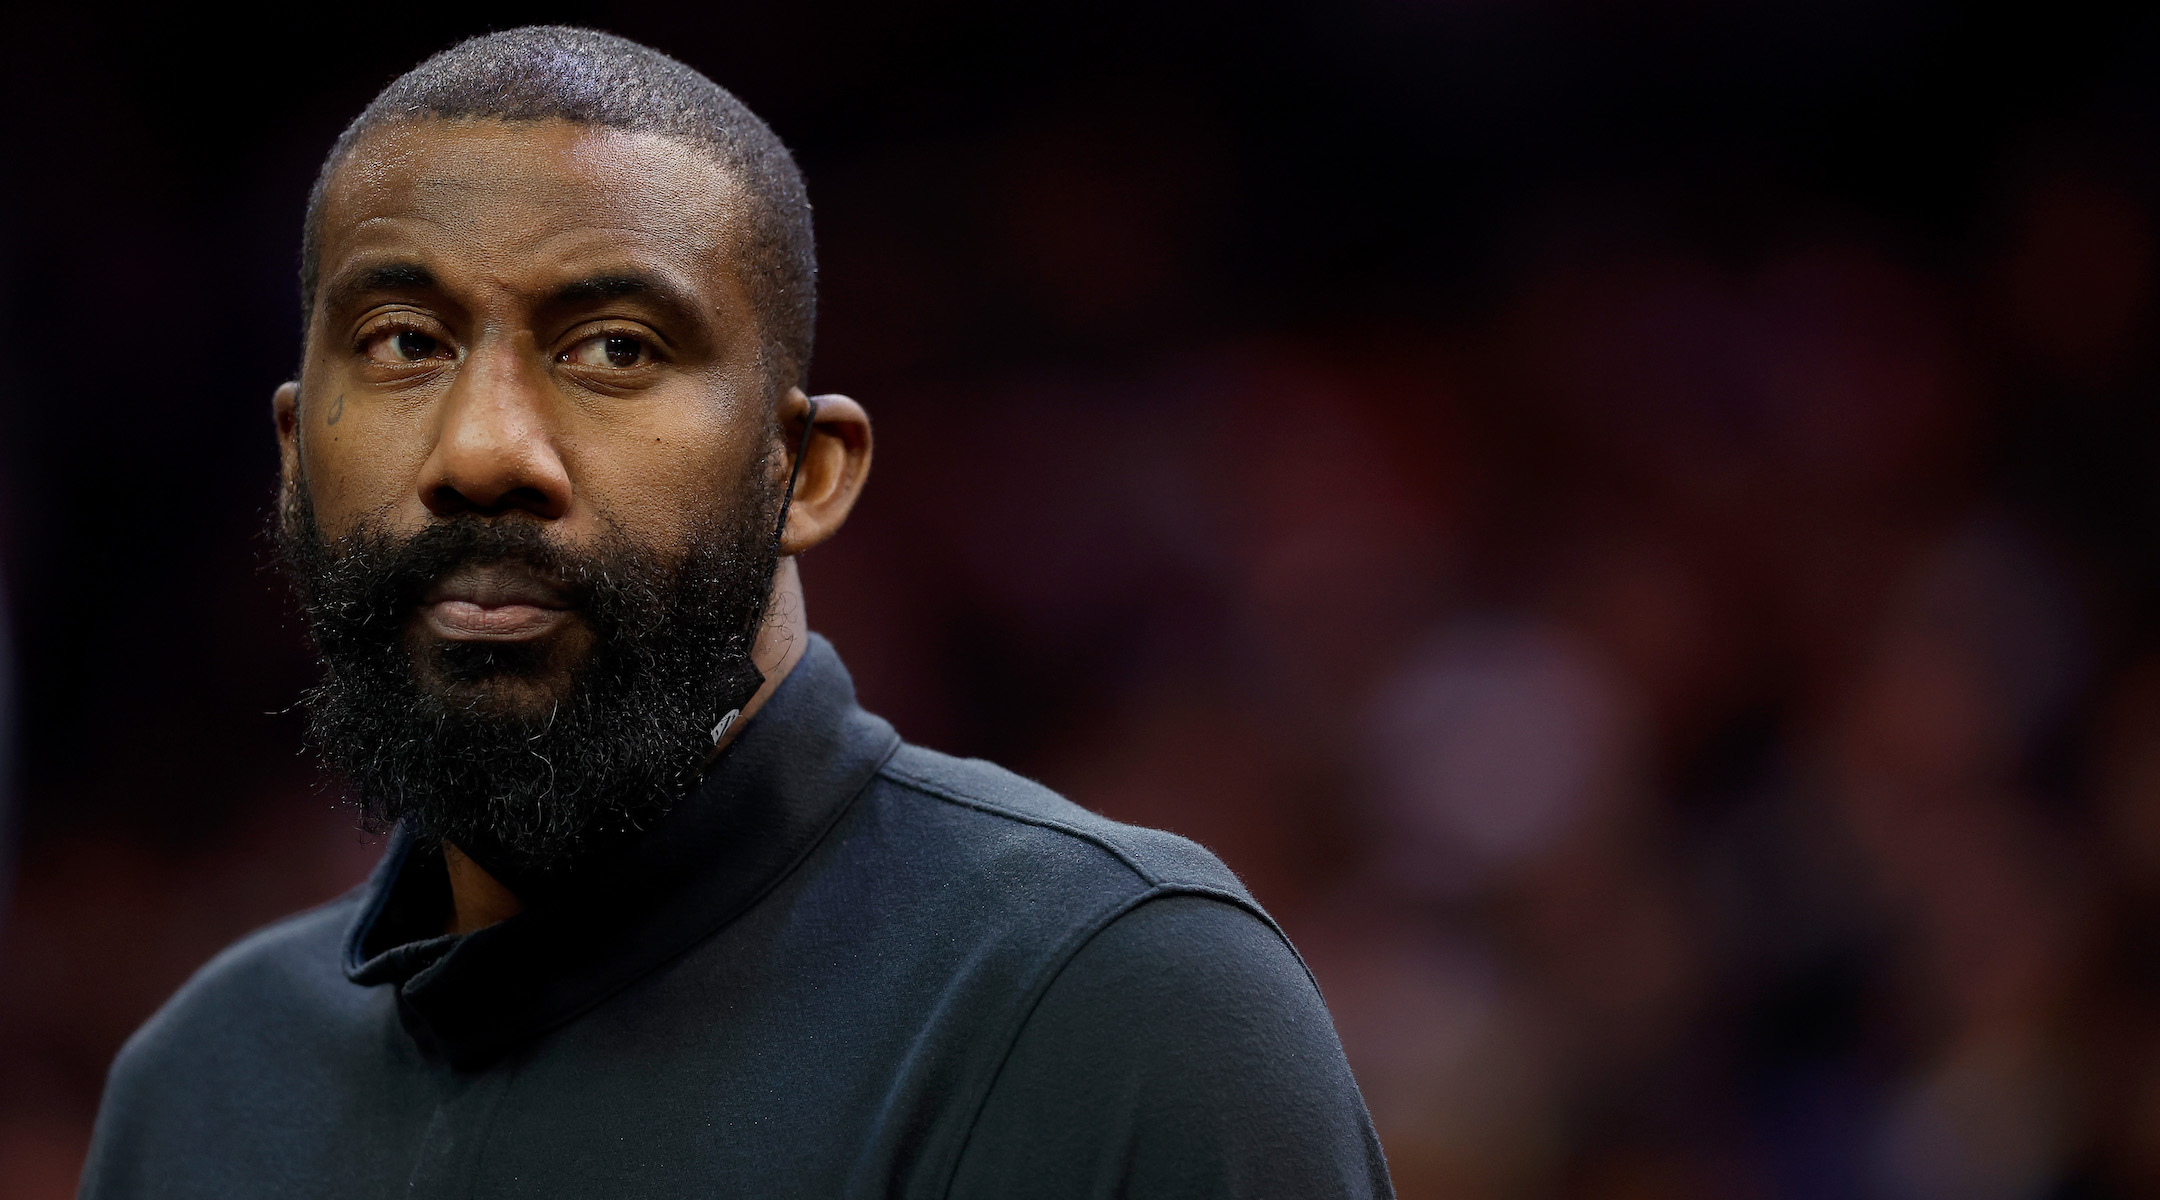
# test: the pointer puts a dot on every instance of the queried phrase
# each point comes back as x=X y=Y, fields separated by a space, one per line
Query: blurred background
x=1634 y=527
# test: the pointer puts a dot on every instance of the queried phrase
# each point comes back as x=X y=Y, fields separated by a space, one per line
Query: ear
x=834 y=466
x=285 y=413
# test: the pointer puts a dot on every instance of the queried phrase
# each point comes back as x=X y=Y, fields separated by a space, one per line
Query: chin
x=505 y=675
x=524 y=678
x=513 y=696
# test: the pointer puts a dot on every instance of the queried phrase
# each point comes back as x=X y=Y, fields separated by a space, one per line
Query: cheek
x=359 y=459
x=657 y=475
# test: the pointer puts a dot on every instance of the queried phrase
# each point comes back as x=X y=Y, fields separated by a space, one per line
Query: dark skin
x=546 y=321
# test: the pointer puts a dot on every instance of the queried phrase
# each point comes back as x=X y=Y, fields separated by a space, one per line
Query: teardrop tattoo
x=337 y=409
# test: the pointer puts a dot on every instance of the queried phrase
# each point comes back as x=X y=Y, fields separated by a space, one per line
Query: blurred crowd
x=1693 y=716
x=1692 y=693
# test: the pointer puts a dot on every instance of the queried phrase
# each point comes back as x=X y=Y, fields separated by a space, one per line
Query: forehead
x=509 y=197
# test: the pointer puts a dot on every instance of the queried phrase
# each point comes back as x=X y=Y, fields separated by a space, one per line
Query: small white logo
x=727 y=722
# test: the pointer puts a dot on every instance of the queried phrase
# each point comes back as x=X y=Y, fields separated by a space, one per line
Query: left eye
x=616 y=350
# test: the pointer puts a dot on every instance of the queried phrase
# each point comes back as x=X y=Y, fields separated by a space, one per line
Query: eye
x=617 y=350
x=405 y=346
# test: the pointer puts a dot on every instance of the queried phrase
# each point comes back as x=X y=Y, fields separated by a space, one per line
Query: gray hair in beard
x=405 y=719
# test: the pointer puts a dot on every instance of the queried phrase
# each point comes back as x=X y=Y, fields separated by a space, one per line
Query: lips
x=499 y=602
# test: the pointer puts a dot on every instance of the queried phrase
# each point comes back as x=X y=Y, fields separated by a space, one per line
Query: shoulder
x=1190 y=977
x=1184 y=1050
x=1013 y=812
x=279 y=978
x=225 y=1067
x=1169 y=1039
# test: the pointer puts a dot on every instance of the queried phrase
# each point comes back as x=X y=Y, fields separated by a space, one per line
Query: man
x=664 y=912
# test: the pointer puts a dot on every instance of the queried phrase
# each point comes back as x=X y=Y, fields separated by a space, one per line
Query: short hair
x=557 y=72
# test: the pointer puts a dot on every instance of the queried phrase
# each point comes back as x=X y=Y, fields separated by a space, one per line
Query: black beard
x=421 y=727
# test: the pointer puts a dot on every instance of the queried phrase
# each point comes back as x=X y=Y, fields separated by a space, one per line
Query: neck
x=478 y=899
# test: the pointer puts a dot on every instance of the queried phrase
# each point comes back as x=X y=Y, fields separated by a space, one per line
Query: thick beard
x=417 y=729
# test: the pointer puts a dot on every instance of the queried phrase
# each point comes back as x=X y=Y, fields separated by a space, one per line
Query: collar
x=783 y=783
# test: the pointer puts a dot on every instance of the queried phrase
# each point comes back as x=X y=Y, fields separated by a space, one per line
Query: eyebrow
x=617 y=285
x=387 y=277
x=610 y=287
x=655 y=289
x=406 y=276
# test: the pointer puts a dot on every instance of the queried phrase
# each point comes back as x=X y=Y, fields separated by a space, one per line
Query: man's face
x=527 y=321
x=530 y=473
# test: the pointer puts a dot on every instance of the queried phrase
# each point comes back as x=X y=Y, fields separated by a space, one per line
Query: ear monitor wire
x=787 y=501
x=802 y=451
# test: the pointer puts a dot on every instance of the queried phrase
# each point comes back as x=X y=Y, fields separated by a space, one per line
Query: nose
x=495 y=442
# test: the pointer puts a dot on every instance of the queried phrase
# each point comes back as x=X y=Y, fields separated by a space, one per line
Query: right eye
x=404 y=346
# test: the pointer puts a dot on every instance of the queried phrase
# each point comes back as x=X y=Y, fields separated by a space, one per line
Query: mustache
x=369 y=576
x=441 y=549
